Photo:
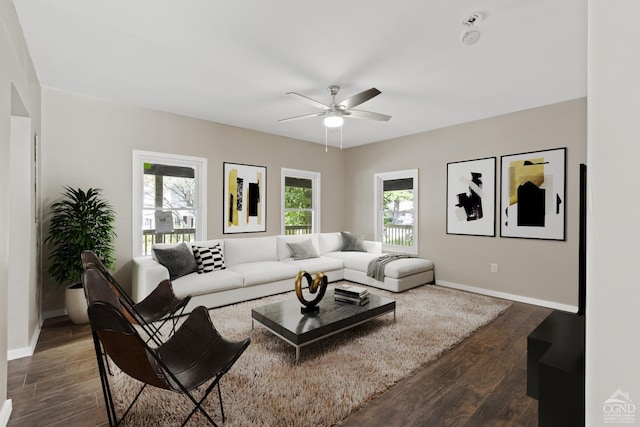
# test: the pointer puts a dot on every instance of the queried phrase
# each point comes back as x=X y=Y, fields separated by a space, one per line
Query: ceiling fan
x=335 y=112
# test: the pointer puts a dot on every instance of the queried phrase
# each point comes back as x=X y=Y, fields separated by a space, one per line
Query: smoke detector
x=471 y=36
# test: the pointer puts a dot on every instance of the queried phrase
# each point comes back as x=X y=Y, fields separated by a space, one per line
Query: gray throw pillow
x=179 y=260
x=303 y=250
x=352 y=242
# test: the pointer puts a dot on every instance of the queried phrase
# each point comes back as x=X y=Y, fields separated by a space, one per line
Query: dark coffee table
x=284 y=319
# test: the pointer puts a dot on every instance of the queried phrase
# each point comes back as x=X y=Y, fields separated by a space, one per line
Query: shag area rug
x=334 y=377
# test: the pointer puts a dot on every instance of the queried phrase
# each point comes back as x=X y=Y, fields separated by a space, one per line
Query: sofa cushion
x=303 y=250
x=247 y=250
x=373 y=247
x=284 y=251
x=354 y=260
x=178 y=259
x=208 y=258
x=406 y=267
x=315 y=265
x=329 y=242
x=255 y=273
x=352 y=242
x=199 y=284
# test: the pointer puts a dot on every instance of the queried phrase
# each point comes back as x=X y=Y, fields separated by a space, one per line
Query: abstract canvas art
x=244 y=198
x=471 y=197
x=533 y=195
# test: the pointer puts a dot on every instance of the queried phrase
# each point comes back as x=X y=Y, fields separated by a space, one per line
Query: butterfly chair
x=160 y=305
x=195 y=354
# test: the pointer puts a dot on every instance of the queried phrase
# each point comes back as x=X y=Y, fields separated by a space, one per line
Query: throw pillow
x=208 y=259
x=178 y=259
x=303 y=250
x=352 y=242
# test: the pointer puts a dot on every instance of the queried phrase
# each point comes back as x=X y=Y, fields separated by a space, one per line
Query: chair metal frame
x=108 y=320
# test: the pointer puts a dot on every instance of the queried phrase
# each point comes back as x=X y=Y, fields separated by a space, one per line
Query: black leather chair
x=195 y=354
x=160 y=305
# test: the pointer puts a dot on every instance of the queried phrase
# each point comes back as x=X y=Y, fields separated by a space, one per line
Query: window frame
x=379 y=179
x=315 y=178
x=199 y=164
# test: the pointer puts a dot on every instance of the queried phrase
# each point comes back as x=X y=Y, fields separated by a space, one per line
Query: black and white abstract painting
x=471 y=197
x=532 y=195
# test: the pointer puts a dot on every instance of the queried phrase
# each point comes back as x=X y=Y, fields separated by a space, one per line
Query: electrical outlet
x=494 y=268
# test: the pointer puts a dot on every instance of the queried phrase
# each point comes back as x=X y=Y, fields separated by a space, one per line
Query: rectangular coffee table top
x=285 y=320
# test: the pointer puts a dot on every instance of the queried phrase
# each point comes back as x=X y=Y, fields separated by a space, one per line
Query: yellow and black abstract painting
x=533 y=195
x=244 y=198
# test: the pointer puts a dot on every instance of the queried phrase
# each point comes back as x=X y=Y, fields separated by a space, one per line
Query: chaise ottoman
x=399 y=275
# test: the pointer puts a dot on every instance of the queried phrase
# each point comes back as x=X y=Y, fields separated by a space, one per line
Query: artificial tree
x=81 y=220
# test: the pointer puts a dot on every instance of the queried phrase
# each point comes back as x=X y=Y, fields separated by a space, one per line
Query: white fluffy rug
x=335 y=376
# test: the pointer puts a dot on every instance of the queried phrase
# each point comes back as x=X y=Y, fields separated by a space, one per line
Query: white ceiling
x=233 y=61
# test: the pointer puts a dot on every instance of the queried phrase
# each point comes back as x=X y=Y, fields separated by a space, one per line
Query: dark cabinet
x=555 y=369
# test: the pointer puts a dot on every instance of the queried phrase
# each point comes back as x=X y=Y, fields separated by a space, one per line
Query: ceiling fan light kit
x=333 y=120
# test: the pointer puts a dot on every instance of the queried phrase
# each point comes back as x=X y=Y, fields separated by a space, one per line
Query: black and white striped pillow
x=208 y=259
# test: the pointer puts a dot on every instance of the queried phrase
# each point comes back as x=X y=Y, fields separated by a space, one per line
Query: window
x=169 y=199
x=300 y=202
x=396 y=211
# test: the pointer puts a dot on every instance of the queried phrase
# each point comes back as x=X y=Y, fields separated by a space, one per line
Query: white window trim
x=315 y=195
x=378 y=214
x=142 y=157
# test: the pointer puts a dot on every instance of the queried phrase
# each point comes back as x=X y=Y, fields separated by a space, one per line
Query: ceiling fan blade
x=322 y=113
x=310 y=101
x=359 y=98
x=359 y=114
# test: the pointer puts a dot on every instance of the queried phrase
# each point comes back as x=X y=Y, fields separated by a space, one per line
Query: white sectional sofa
x=260 y=266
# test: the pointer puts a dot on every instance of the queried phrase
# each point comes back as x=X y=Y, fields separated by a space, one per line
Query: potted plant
x=80 y=221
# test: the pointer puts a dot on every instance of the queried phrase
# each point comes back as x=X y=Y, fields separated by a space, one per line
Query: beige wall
x=539 y=269
x=89 y=143
x=15 y=69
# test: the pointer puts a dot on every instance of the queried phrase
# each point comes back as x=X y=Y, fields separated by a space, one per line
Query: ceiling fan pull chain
x=325 y=139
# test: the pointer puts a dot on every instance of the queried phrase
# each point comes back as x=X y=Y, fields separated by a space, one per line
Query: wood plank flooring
x=480 y=382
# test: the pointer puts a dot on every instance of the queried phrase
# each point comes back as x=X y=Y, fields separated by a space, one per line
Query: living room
x=101 y=135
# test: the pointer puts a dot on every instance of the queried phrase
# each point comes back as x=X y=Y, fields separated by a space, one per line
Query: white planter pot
x=76 y=304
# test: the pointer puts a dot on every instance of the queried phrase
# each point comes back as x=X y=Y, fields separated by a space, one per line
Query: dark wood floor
x=480 y=382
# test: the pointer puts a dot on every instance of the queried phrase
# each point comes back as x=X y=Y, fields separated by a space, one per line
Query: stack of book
x=351 y=294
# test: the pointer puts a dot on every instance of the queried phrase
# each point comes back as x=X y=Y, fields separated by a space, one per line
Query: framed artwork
x=471 y=197
x=532 y=194
x=245 y=197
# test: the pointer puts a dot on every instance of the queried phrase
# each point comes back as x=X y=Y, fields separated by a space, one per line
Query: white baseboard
x=26 y=351
x=512 y=297
x=5 y=412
